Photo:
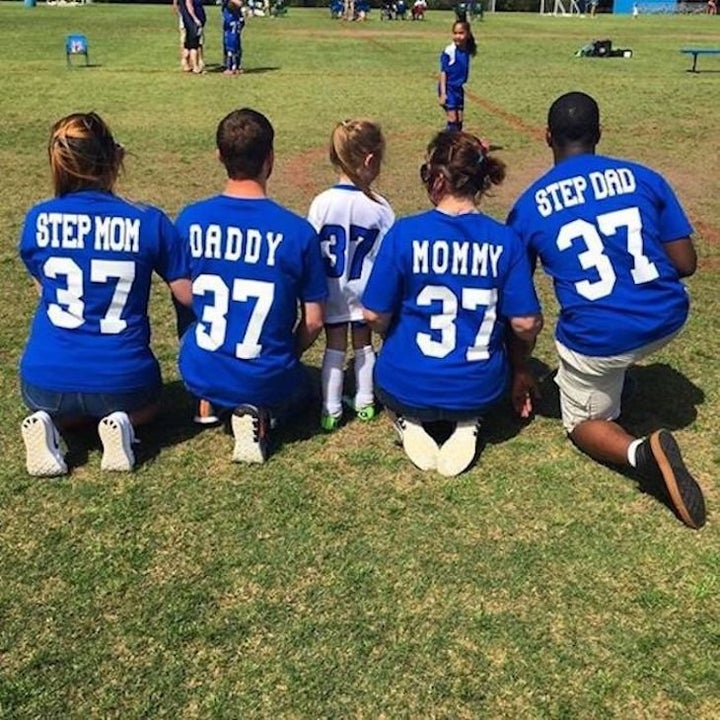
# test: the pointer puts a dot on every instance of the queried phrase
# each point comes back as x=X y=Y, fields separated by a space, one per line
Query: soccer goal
x=561 y=7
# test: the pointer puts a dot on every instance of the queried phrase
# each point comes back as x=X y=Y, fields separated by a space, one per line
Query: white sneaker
x=458 y=451
x=420 y=447
x=117 y=437
x=250 y=427
x=43 y=454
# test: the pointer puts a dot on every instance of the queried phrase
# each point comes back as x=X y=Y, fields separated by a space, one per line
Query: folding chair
x=76 y=45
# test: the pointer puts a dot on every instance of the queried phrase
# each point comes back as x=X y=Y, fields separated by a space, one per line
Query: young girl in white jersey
x=351 y=220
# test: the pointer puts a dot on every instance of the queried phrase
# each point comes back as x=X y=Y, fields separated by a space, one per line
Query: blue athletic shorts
x=454 y=98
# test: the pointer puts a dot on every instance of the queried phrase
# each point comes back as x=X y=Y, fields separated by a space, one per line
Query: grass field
x=337 y=581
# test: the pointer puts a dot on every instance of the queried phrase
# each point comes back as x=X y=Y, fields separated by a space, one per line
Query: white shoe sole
x=117 y=439
x=420 y=447
x=43 y=456
x=246 y=449
x=459 y=450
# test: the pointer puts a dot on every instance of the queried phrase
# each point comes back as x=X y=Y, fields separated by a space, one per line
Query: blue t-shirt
x=251 y=261
x=455 y=63
x=93 y=254
x=233 y=19
x=450 y=283
x=598 y=225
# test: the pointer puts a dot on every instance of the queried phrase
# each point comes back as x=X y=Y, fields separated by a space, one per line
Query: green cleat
x=366 y=413
x=330 y=422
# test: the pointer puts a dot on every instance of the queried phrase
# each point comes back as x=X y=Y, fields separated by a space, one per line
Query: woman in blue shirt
x=452 y=293
x=92 y=255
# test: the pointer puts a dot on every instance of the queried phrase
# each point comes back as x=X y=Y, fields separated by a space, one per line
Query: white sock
x=332 y=381
x=632 y=450
x=364 y=366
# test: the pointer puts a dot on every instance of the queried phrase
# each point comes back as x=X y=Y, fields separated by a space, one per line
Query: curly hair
x=458 y=163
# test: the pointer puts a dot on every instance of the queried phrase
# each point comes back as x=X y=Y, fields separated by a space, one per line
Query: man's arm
x=682 y=255
x=312 y=320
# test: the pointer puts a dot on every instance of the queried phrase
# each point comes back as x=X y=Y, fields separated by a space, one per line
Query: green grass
x=337 y=581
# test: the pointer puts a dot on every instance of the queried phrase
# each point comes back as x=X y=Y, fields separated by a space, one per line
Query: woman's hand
x=523 y=392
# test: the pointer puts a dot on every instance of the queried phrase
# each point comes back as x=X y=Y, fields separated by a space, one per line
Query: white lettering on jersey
x=218 y=242
x=571 y=191
x=612 y=182
x=62 y=230
x=117 y=234
x=456 y=258
x=563 y=194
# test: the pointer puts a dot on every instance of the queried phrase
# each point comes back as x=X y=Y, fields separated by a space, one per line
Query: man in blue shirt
x=616 y=242
x=252 y=263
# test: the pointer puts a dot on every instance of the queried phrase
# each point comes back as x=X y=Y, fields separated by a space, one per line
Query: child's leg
x=332 y=369
x=452 y=121
x=364 y=366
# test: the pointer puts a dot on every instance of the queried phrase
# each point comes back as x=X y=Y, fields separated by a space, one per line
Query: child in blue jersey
x=253 y=263
x=92 y=255
x=233 y=24
x=451 y=290
x=616 y=242
x=454 y=71
x=351 y=220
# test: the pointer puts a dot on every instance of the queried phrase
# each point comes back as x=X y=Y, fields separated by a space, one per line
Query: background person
x=351 y=220
x=233 y=24
x=616 y=242
x=454 y=72
x=447 y=287
x=193 y=17
x=252 y=263
x=92 y=255
x=184 y=53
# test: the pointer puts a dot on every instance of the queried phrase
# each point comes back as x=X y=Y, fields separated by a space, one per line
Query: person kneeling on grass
x=452 y=292
x=616 y=243
x=92 y=255
x=252 y=262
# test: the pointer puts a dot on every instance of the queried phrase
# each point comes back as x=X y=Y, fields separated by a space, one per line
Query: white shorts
x=591 y=387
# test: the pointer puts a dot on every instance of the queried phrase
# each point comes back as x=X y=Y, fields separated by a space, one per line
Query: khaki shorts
x=591 y=387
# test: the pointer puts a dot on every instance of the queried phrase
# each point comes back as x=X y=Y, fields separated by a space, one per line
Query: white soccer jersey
x=351 y=227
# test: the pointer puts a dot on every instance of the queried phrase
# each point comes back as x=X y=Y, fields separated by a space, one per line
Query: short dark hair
x=574 y=118
x=244 y=140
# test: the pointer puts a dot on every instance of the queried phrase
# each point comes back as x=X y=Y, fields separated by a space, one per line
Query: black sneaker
x=658 y=459
x=250 y=427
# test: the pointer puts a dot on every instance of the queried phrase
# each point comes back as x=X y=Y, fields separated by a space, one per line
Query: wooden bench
x=699 y=51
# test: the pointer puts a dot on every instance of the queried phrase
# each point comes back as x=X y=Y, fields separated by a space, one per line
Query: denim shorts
x=83 y=404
